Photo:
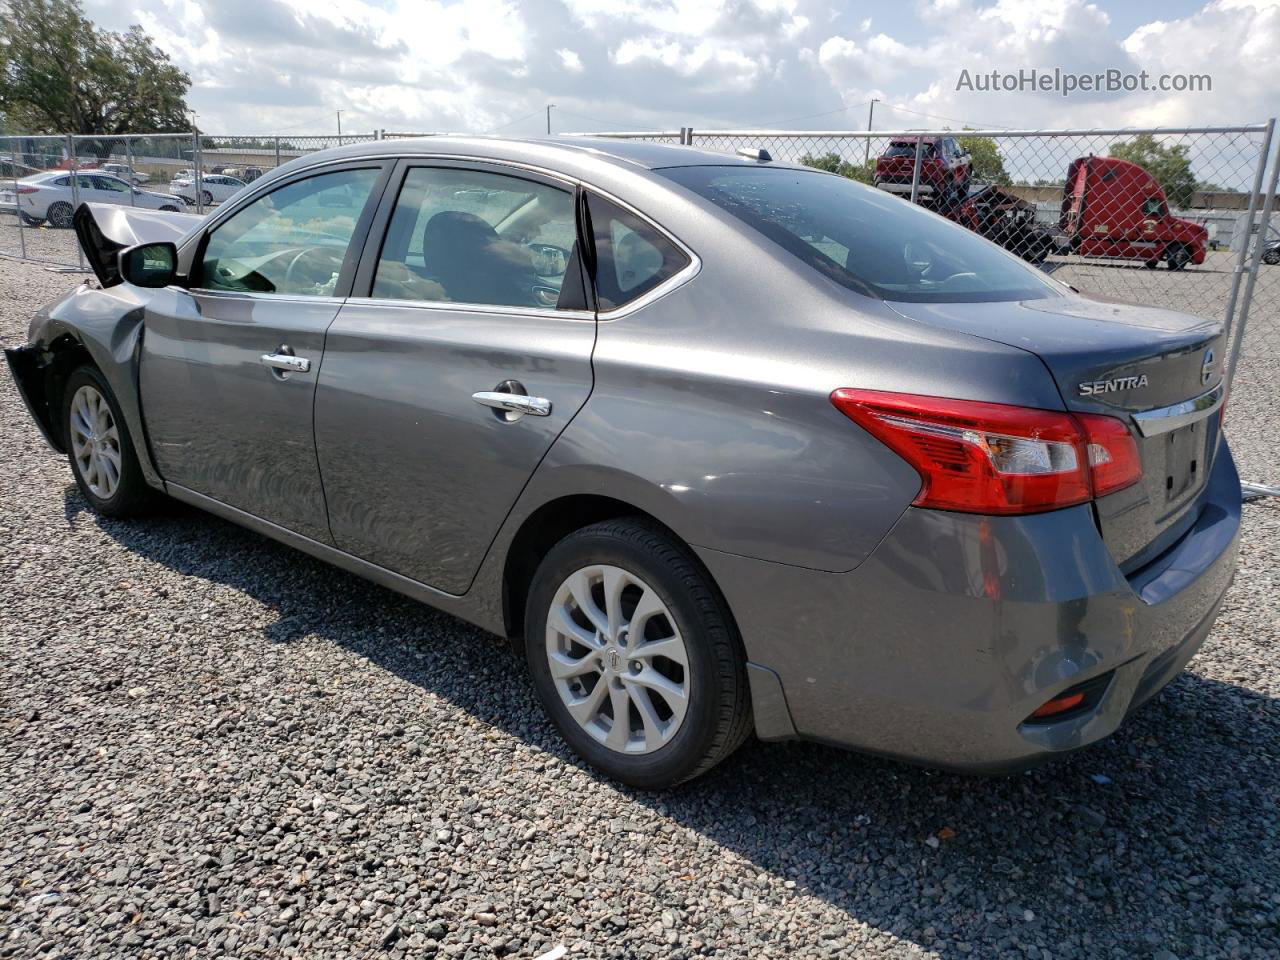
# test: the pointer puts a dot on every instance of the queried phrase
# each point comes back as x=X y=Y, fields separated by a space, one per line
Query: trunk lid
x=1159 y=370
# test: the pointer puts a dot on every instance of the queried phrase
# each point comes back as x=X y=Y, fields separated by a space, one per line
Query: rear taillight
x=1113 y=455
x=28 y=190
x=992 y=458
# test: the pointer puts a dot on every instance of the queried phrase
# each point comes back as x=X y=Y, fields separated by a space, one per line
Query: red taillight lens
x=1113 y=455
x=992 y=458
x=28 y=190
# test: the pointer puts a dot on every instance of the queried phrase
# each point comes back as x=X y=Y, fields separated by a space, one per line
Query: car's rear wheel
x=206 y=197
x=1177 y=257
x=99 y=447
x=1272 y=257
x=59 y=214
x=634 y=654
x=31 y=221
x=169 y=208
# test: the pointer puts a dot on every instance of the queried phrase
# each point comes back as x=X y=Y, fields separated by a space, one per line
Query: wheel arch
x=41 y=373
x=550 y=523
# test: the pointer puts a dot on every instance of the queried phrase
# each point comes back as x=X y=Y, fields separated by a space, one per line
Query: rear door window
x=632 y=256
x=483 y=238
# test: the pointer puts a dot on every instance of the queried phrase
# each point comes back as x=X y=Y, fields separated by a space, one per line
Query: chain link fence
x=1178 y=218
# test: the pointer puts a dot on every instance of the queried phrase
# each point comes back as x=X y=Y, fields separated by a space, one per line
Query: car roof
x=570 y=150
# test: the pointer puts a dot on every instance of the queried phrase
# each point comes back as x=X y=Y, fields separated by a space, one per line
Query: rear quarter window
x=632 y=256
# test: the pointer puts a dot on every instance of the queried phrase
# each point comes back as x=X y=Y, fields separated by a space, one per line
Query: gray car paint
x=865 y=619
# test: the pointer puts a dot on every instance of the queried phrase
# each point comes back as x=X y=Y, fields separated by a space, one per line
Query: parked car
x=945 y=169
x=214 y=188
x=1271 y=254
x=126 y=172
x=719 y=444
x=49 y=196
x=1114 y=208
x=247 y=174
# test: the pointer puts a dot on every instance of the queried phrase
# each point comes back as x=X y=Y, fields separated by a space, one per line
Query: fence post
x=196 y=181
x=915 y=172
x=75 y=190
x=128 y=159
x=1238 y=272
x=17 y=200
x=1252 y=490
x=277 y=150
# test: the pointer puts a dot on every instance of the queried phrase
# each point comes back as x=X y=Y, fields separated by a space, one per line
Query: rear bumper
x=939 y=647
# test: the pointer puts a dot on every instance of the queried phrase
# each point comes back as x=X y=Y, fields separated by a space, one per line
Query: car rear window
x=864 y=239
x=908 y=150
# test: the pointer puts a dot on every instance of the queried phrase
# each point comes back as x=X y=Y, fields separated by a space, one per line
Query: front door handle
x=514 y=403
x=286 y=362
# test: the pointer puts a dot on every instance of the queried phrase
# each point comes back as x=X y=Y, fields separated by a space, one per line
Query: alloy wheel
x=95 y=442
x=617 y=659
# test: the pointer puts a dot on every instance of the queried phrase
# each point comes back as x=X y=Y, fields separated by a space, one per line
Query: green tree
x=61 y=74
x=834 y=163
x=1170 y=165
x=988 y=164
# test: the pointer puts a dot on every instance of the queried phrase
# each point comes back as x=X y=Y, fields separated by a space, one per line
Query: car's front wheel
x=1177 y=257
x=101 y=452
x=635 y=656
x=206 y=197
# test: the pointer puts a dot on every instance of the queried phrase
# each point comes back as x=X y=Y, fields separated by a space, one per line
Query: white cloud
x=264 y=65
x=572 y=62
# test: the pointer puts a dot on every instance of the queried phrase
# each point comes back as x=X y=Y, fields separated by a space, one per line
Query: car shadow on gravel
x=1164 y=837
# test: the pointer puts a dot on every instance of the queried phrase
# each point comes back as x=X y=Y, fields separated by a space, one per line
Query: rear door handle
x=514 y=403
x=286 y=362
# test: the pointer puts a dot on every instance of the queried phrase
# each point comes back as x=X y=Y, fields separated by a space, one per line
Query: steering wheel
x=335 y=264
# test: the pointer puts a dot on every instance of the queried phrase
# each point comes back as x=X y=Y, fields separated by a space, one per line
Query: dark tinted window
x=865 y=239
x=632 y=257
x=908 y=149
x=471 y=236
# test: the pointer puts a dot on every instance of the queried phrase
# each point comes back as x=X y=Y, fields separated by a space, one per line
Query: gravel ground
x=214 y=746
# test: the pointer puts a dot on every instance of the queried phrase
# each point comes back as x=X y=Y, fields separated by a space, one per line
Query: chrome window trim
x=260 y=295
x=489 y=309
x=1152 y=423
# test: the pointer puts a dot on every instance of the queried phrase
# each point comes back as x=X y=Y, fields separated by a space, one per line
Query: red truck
x=1114 y=208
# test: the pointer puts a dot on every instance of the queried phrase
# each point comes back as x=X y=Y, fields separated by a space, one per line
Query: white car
x=49 y=196
x=125 y=172
x=214 y=188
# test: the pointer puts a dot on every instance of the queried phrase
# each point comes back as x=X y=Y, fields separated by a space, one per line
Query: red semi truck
x=1113 y=208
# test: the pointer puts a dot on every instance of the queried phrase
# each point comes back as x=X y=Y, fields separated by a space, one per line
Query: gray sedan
x=719 y=444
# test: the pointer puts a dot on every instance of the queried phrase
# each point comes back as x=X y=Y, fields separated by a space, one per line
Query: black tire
x=1177 y=257
x=206 y=197
x=31 y=221
x=131 y=495
x=59 y=214
x=1151 y=264
x=718 y=716
x=1272 y=257
x=169 y=208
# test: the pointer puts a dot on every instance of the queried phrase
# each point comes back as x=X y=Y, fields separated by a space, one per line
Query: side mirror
x=149 y=264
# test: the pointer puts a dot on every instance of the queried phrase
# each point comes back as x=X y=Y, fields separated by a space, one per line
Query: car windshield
x=872 y=242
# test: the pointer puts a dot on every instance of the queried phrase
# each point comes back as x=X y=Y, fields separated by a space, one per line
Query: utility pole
x=549 y=106
x=339 y=128
x=866 y=161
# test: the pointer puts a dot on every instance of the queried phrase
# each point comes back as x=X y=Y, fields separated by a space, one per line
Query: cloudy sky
x=492 y=65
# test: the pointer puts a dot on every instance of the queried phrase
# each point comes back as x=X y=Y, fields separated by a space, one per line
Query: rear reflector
x=994 y=458
x=1068 y=701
